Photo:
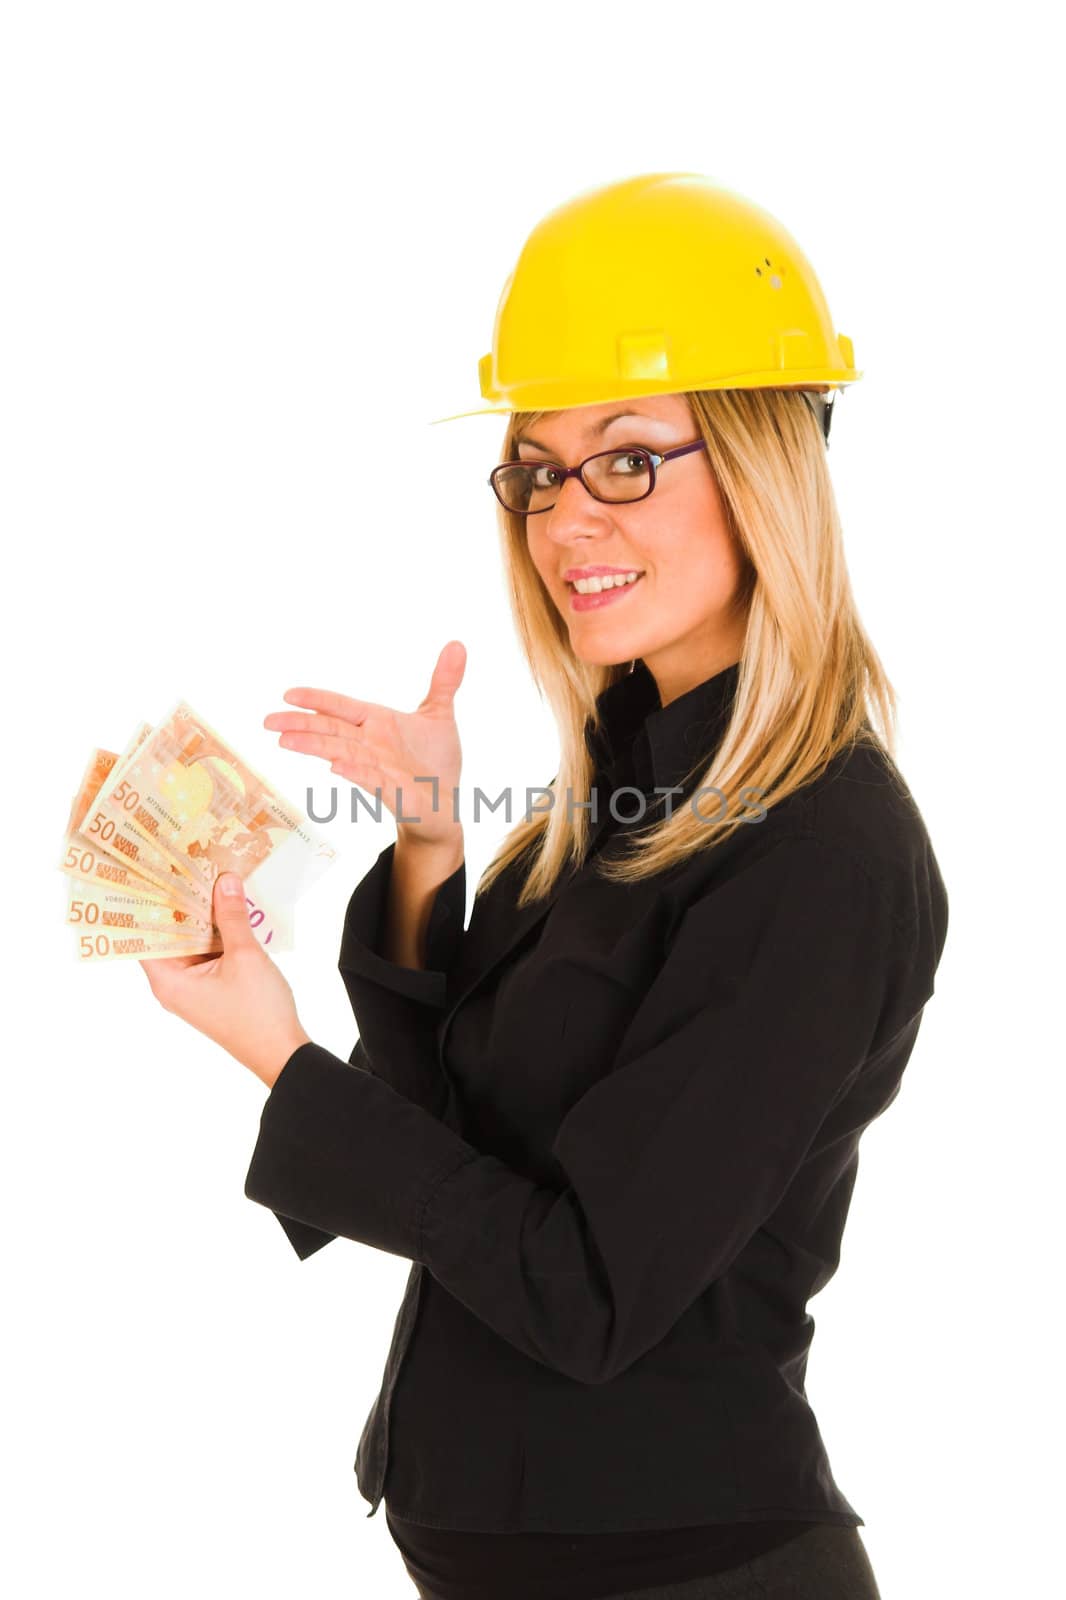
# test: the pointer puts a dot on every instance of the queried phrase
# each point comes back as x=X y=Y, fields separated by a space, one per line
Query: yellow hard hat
x=658 y=284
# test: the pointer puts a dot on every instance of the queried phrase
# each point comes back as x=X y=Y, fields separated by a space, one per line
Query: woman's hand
x=385 y=751
x=240 y=999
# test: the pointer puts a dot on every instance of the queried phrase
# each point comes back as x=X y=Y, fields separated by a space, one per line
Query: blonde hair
x=809 y=684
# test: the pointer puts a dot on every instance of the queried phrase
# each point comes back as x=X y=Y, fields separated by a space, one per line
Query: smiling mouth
x=605 y=587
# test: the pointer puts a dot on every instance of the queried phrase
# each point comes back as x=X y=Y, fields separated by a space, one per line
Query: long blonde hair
x=810 y=682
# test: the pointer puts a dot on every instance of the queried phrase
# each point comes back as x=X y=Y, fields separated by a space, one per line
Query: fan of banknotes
x=152 y=828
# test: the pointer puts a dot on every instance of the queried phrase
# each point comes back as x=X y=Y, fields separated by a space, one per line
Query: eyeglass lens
x=533 y=486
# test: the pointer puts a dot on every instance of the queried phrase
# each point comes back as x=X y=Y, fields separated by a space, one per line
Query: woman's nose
x=575 y=511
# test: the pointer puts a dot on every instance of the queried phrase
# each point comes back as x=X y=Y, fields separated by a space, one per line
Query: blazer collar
x=658 y=744
x=639 y=740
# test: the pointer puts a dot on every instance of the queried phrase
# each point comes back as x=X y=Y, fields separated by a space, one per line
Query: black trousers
x=825 y=1563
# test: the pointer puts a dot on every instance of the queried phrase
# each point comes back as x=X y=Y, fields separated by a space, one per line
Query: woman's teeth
x=613 y=580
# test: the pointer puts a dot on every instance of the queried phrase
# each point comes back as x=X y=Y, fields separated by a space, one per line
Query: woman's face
x=676 y=616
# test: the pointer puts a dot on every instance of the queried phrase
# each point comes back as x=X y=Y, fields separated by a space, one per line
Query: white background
x=249 y=252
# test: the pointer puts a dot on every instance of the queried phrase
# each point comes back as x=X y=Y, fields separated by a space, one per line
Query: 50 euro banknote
x=150 y=830
x=116 y=925
x=119 y=915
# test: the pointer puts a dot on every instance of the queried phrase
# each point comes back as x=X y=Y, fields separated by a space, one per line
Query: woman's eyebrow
x=598 y=428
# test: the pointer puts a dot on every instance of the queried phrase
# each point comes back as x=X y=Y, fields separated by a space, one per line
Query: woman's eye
x=545 y=477
x=627 y=463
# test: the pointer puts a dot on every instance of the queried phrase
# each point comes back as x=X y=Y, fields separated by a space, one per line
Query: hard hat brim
x=816 y=382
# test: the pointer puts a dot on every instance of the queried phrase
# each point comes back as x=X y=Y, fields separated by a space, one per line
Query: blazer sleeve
x=760 y=1018
x=397 y=1009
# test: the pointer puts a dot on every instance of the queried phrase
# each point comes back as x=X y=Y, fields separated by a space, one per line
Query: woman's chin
x=603 y=653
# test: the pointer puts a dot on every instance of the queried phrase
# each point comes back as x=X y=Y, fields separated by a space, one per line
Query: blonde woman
x=614 y=1122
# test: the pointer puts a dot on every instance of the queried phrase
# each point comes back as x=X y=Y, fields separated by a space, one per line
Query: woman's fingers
x=338 y=729
x=337 y=705
x=346 y=752
x=332 y=746
x=315 y=733
x=335 y=728
x=307 y=722
x=158 y=966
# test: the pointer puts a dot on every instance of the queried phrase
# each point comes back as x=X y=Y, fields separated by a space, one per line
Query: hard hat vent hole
x=775 y=277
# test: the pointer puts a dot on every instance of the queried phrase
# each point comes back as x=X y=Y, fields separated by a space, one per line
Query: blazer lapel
x=622 y=707
x=622 y=754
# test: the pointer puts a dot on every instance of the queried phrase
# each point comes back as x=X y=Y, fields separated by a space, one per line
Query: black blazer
x=616 y=1133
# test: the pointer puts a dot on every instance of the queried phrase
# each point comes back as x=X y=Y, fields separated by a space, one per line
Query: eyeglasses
x=616 y=476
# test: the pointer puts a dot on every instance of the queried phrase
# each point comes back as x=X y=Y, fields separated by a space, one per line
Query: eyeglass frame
x=653 y=458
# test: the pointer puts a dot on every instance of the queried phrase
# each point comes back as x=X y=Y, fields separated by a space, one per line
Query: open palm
x=384 y=750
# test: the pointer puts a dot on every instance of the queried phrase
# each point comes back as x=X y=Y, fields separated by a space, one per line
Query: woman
x=618 y=1116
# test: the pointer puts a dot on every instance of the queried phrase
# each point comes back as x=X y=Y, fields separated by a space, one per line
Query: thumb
x=447 y=675
x=230 y=910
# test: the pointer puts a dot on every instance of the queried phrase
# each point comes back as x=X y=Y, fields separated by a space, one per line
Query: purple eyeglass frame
x=653 y=459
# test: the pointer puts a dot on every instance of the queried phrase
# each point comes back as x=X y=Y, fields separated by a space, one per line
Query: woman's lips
x=606 y=597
